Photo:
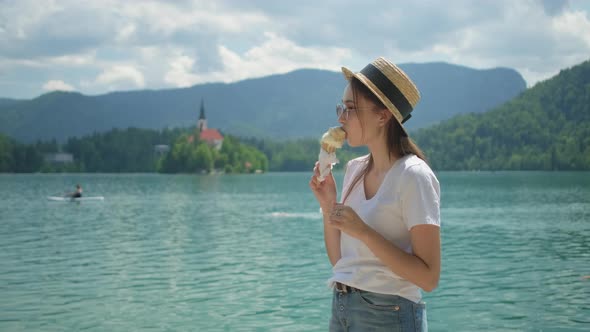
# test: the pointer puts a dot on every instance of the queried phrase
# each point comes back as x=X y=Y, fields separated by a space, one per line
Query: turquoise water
x=245 y=253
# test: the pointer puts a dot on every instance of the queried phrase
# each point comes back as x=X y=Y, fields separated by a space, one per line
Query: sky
x=95 y=47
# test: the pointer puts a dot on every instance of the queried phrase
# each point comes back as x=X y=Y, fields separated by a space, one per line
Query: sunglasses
x=341 y=109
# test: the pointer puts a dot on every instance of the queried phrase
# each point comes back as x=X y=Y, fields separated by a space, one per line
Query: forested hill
x=292 y=105
x=545 y=128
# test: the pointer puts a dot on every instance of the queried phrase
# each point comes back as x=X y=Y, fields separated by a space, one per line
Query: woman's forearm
x=405 y=265
x=332 y=241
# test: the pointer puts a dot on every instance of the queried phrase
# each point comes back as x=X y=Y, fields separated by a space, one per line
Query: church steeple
x=202 y=124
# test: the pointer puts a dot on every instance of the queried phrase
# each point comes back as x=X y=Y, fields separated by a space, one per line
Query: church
x=210 y=135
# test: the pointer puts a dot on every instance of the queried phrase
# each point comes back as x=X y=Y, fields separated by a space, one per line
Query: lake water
x=246 y=253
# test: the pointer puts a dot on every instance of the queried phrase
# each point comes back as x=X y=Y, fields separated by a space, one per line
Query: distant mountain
x=449 y=90
x=8 y=101
x=296 y=104
x=547 y=127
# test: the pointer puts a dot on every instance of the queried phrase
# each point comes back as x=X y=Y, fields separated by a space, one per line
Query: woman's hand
x=346 y=220
x=325 y=192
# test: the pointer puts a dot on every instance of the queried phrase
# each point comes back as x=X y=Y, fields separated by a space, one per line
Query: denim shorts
x=360 y=310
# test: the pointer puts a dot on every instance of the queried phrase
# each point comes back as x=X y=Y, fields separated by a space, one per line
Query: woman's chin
x=352 y=144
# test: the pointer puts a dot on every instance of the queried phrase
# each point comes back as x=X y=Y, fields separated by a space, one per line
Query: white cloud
x=20 y=17
x=57 y=85
x=49 y=62
x=575 y=23
x=180 y=73
x=121 y=73
x=72 y=60
x=149 y=53
x=126 y=33
x=168 y=18
x=280 y=55
x=111 y=44
x=275 y=55
x=523 y=37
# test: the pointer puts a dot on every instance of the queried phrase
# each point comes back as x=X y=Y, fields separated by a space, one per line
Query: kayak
x=77 y=199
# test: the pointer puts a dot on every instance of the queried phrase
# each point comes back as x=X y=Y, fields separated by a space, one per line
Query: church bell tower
x=202 y=124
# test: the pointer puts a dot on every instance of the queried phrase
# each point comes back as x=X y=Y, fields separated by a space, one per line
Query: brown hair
x=397 y=142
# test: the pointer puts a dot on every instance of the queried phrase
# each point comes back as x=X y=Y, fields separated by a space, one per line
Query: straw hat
x=391 y=85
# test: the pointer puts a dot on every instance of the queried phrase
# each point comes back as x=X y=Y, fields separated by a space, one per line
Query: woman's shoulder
x=356 y=162
x=413 y=166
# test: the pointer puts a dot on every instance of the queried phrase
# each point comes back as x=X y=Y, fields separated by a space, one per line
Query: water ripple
x=244 y=253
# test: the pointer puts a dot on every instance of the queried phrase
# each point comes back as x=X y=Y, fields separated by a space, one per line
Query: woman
x=383 y=240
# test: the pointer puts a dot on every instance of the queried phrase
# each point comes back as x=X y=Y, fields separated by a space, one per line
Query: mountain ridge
x=280 y=106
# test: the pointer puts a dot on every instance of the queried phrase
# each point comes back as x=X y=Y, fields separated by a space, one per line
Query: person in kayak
x=77 y=193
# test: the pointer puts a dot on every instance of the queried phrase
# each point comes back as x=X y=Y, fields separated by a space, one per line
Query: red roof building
x=209 y=135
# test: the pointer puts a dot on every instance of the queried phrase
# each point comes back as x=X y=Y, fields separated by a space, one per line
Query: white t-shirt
x=408 y=196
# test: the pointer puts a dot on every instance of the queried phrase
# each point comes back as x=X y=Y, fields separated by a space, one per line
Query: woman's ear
x=384 y=117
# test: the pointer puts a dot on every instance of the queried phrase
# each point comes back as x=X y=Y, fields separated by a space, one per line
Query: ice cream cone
x=331 y=140
x=328 y=148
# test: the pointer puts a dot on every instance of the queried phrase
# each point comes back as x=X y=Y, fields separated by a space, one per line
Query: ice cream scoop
x=333 y=139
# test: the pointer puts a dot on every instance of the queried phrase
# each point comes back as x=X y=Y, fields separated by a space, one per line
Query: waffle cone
x=328 y=148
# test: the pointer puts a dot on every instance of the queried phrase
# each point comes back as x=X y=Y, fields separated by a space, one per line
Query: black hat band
x=389 y=90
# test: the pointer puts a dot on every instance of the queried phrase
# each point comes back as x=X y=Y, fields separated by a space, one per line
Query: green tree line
x=21 y=158
x=299 y=155
x=132 y=150
x=129 y=150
